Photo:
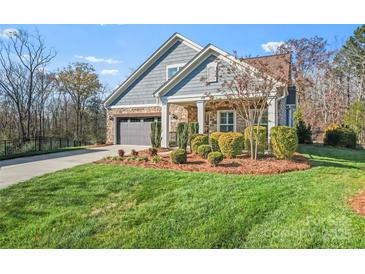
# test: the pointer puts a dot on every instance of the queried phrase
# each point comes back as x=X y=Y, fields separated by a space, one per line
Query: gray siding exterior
x=192 y=84
x=142 y=89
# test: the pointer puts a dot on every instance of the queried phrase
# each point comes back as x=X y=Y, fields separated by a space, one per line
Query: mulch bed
x=159 y=150
x=243 y=165
x=358 y=203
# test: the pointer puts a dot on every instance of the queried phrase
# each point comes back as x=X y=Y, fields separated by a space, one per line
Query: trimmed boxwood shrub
x=213 y=140
x=231 y=144
x=204 y=150
x=215 y=157
x=178 y=156
x=198 y=140
x=262 y=141
x=284 y=141
x=336 y=135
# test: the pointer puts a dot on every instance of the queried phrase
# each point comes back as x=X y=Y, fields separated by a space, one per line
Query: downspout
x=277 y=102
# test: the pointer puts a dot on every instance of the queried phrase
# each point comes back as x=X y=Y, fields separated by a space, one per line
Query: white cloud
x=109 y=72
x=7 y=33
x=93 y=59
x=271 y=46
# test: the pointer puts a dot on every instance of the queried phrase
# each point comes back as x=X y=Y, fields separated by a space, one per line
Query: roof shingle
x=279 y=66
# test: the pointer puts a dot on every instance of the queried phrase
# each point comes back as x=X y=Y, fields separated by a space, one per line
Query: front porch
x=210 y=116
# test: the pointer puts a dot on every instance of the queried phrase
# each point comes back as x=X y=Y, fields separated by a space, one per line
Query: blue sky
x=115 y=50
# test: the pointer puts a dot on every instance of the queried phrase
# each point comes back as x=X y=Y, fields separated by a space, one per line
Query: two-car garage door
x=135 y=130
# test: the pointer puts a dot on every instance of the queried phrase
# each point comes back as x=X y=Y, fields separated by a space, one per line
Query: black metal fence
x=10 y=148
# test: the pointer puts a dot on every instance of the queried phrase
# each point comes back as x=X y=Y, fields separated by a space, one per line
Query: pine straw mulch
x=241 y=165
x=358 y=203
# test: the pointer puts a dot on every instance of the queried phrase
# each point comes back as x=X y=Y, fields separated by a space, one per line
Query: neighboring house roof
x=165 y=46
x=278 y=65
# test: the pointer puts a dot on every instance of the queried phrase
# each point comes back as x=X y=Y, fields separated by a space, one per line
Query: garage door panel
x=135 y=133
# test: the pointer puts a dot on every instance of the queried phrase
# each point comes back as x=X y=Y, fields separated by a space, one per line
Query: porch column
x=272 y=116
x=201 y=115
x=165 y=124
x=115 y=128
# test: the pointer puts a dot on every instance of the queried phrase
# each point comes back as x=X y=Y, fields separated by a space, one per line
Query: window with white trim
x=264 y=118
x=171 y=70
x=226 y=121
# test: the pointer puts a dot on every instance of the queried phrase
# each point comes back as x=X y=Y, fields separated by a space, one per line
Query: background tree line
x=330 y=83
x=37 y=102
x=68 y=102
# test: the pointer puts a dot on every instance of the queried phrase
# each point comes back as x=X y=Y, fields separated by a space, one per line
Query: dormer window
x=171 y=70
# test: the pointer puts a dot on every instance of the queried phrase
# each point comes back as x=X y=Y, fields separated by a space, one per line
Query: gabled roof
x=278 y=65
x=208 y=50
x=142 y=68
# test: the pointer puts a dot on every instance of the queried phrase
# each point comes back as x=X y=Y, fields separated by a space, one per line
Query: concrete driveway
x=20 y=169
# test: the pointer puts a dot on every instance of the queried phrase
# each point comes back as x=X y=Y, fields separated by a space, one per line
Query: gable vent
x=212 y=72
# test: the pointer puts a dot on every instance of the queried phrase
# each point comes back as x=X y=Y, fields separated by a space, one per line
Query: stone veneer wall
x=177 y=114
x=182 y=114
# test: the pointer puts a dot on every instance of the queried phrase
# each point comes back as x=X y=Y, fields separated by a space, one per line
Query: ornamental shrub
x=215 y=157
x=204 y=150
x=156 y=159
x=121 y=152
x=213 y=140
x=155 y=134
x=284 y=141
x=336 y=135
x=198 y=140
x=262 y=140
x=231 y=144
x=134 y=152
x=304 y=133
x=178 y=156
x=152 y=151
x=182 y=135
x=193 y=128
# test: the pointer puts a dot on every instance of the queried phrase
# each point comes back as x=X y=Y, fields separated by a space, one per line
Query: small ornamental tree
x=155 y=134
x=304 y=131
x=182 y=135
x=248 y=89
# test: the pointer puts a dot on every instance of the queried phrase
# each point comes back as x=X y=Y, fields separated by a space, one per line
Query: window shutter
x=212 y=72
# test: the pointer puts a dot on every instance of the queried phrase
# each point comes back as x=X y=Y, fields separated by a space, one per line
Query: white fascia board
x=149 y=61
x=135 y=106
x=181 y=73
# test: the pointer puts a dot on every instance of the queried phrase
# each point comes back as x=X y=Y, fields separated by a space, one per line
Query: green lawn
x=104 y=206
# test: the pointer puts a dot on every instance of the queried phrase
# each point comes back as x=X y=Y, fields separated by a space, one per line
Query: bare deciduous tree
x=22 y=56
x=248 y=91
